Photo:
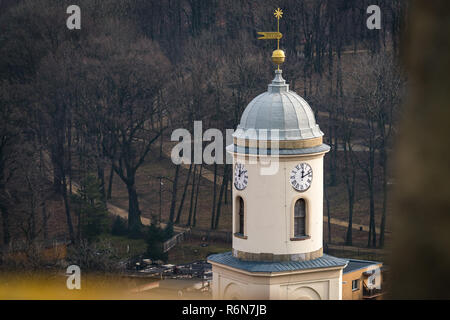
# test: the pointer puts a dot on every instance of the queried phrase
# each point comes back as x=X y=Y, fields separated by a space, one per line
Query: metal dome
x=280 y=110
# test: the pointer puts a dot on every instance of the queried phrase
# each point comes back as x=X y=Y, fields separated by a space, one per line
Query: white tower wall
x=267 y=260
x=269 y=209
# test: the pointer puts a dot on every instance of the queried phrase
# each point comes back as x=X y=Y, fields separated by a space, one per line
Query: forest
x=86 y=115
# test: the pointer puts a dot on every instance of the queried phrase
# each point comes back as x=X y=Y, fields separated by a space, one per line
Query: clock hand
x=307 y=174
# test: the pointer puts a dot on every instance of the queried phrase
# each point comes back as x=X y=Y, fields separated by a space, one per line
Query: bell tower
x=278 y=154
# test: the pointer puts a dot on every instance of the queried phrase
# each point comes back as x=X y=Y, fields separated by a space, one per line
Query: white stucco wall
x=269 y=207
x=314 y=284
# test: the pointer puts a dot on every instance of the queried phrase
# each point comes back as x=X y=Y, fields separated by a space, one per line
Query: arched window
x=241 y=216
x=300 y=218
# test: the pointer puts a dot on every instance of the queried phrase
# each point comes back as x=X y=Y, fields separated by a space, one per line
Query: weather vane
x=278 y=56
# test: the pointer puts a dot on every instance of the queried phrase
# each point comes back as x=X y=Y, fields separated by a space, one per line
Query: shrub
x=91 y=208
x=155 y=238
x=119 y=227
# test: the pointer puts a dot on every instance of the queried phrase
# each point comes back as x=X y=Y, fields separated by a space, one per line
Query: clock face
x=301 y=177
x=240 y=176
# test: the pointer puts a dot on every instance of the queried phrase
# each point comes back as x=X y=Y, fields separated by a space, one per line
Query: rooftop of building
x=326 y=261
x=354 y=264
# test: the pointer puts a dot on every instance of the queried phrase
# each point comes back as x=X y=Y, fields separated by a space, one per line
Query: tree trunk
x=5 y=223
x=372 y=199
x=226 y=187
x=222 y=190
x=196 y=195
x=134 y=214
x=3 y=205
x=67 y=209
x=372 y=238
x=327 y=201
x=180 y=208
x=57 y=178
x=44 y=220
x=331 y=132
x=335 y=144
x=69 y=154
x=82 y=191
x=372 y=217
x=213 y=211
x=101 y=178
x=32 y=231
x=350 y=184
x=384 y=182
x=160 y=136
x=383 y=214
x=349 y=234
x=44 y=205
x=174 y=194
x=110 y=183
x=229 y=190
x=191 y=204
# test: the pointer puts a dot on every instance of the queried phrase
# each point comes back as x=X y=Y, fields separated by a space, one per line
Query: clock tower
x=277 y=252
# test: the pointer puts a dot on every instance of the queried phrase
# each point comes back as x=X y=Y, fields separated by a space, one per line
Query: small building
x=362 y=279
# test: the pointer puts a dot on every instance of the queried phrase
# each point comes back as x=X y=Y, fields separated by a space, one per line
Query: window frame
x=305 y=235
x=241 y=215
x=239 y=224
x=357 y=281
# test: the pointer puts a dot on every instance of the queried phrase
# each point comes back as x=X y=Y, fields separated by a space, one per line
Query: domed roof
x=281 y=111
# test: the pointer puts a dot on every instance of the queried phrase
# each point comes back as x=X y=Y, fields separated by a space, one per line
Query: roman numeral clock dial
x=301 y=177
x=240 y=176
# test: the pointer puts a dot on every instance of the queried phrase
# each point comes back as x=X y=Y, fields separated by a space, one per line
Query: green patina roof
x=325 y=261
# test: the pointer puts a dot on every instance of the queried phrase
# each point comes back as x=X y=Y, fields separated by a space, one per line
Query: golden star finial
x=278 y=13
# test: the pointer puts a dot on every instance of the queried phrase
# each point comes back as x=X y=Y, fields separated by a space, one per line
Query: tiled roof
x=325 y=261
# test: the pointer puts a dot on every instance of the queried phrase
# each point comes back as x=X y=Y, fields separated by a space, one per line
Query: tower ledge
x=325 y=261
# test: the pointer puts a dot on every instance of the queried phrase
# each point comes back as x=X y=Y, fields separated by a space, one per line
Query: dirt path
x=115 y=210
x=355 y=226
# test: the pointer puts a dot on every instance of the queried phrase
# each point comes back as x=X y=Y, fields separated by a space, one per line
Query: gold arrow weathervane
x=278 y=56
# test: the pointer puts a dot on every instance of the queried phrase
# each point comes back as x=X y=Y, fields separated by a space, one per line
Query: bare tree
x=128 y=86
x=391 y=90
x=58 y=89
x=9 y=136
x=378 y=93
x=349 y=172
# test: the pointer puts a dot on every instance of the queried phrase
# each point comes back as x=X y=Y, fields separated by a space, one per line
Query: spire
x=278 y=83
x=278 y=55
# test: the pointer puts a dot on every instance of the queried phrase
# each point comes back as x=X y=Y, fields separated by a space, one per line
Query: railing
x=176 y=239
x=373 y=254
x=371 y=293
